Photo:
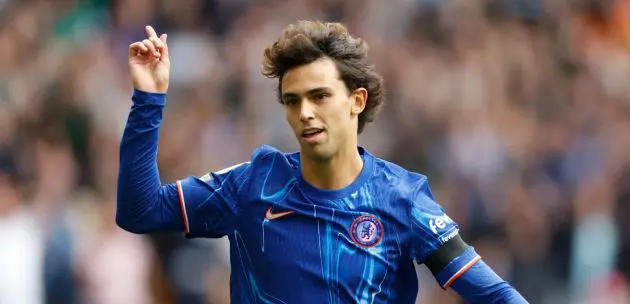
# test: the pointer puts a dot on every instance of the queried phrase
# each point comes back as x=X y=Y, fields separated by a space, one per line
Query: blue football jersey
x=293 y=243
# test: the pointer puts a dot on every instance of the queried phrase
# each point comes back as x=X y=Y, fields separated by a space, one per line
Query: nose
x=306 y=111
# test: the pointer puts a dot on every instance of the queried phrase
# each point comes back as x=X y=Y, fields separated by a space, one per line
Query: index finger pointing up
x=150 y=31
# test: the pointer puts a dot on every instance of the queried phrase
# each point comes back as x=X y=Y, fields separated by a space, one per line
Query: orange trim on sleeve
x=461 y=271
x=182 y=204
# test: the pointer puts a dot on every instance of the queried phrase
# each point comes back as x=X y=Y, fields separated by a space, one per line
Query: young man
x=329 y=224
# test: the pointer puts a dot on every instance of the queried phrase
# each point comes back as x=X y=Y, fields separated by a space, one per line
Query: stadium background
x=517 y=111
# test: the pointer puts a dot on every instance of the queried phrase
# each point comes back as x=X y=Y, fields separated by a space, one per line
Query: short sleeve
x=209 y=203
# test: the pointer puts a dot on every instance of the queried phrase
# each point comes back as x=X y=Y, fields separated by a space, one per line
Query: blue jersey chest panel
x=343 y=246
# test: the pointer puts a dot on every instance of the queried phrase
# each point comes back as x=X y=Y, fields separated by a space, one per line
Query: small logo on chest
x=366 y=231
x=269 y=215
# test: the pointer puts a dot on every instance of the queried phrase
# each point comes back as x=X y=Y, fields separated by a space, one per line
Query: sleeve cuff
x=141 y=98
x=182 y=203
x=457 y=267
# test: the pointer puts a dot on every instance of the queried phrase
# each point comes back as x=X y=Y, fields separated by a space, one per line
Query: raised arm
x=200 y=207
x=144 y=204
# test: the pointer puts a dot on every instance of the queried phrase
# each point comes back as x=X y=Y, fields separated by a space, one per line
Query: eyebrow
x=309 y=92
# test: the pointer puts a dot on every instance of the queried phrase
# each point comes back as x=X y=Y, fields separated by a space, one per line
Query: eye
x=321 y=96
x=290 y=102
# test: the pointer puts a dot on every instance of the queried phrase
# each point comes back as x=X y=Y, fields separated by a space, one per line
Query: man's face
x=319 y=108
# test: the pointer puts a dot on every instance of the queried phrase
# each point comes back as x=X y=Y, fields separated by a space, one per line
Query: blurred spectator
x=21 y=239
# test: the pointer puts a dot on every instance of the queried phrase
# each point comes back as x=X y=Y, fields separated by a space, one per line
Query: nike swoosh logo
x=272 y=216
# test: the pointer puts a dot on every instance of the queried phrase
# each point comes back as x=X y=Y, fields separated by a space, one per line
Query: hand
x=149 y=63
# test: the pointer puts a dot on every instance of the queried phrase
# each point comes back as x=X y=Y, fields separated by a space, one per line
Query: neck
x=335 y=173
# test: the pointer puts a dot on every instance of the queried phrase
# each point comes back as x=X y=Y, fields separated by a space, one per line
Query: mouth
x=312 y=133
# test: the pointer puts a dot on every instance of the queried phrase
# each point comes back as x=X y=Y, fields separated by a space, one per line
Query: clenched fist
x=149 y=63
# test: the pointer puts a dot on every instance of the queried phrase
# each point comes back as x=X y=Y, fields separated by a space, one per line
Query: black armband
x=445 y=254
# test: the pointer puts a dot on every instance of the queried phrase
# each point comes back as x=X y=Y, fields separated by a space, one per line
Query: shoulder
x=407 y=190
x=405 y=182
x=265 y=157
x=261 y=160
x=263 y=152
x=269 y=166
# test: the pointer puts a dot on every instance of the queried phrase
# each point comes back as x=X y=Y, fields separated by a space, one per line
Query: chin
x=317 y=153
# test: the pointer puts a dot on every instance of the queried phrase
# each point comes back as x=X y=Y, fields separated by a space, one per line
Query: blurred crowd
x=515 y=109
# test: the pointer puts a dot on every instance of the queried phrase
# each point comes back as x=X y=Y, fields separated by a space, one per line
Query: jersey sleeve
x=435 y=239
x=204 y=206
x=143 y=204
x=480 y=284
x=209 y=203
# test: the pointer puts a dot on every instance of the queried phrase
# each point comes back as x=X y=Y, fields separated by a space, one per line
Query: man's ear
x=359 y=99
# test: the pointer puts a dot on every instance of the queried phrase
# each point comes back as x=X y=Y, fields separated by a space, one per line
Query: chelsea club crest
x=366 y=231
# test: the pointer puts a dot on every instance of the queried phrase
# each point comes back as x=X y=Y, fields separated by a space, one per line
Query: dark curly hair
x=307 y=41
